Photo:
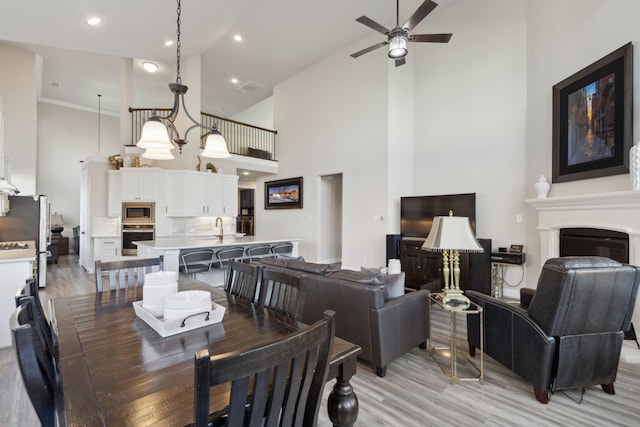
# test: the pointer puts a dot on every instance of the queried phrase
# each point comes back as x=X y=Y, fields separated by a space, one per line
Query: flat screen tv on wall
x=417 y=213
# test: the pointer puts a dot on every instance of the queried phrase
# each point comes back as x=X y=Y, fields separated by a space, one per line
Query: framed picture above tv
x=592 y=119
x=283 y=194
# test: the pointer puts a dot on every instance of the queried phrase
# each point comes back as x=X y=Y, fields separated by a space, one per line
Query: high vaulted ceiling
x=280 y=39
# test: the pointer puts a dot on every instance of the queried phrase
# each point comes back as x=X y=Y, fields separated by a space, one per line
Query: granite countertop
x=15 y=255
x=184 y=243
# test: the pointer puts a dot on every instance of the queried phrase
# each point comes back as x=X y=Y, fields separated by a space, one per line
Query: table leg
x=342 y=404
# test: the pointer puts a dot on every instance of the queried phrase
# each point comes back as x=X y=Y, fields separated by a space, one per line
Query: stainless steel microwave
x=138 y=212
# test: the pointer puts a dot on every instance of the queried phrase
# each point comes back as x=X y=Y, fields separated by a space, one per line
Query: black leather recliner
x=571 y=334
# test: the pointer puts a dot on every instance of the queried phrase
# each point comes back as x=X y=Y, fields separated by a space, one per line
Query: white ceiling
x=281 y=38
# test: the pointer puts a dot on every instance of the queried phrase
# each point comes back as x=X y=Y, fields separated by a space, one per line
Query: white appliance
x=29 y=219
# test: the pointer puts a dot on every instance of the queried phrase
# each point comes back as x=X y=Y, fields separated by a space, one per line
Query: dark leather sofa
x=384 y=328
x=571 y=333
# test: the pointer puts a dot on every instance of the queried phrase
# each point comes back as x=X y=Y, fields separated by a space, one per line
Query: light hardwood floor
x=413 y=393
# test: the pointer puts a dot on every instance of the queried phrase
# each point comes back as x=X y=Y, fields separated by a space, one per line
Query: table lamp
x=57 y=225
x=452 y=235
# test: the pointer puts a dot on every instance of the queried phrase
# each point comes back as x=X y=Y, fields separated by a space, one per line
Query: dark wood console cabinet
x=421 y=267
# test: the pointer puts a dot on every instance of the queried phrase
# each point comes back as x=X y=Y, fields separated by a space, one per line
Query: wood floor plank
x=413 y=393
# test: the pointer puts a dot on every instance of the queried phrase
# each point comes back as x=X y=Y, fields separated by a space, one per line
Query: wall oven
x=133 y=233
x=138 y=212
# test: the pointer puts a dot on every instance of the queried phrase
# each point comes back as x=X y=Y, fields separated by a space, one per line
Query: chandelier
x=159 y=133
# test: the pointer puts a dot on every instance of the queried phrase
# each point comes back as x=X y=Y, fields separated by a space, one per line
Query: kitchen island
x=170 y=248
x=16 y=266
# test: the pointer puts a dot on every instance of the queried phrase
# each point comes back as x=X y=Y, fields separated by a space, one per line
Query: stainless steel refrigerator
x=29 y=219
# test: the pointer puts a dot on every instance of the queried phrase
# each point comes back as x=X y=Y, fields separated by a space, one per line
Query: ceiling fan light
x=398 y=47
x=154 y=135
x=157 y=154
x=215 y=147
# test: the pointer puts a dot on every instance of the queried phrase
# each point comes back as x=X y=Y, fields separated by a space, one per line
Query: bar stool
x=282 y=249
x=256 y=252
x=196 y=261
x=224 y=257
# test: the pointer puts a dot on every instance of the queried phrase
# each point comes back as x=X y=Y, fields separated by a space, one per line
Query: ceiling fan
x=398 y=37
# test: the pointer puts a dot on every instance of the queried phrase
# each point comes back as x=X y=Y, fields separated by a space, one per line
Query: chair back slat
x=43 y=327
x=277 y=384
x=282 y=293
x=243 y=280
x=125 y=274
x=36 y=366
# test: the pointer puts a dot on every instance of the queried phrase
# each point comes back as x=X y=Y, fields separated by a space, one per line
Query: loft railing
x=242 y=138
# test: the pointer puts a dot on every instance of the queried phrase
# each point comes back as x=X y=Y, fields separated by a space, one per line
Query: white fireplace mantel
x=617 y=211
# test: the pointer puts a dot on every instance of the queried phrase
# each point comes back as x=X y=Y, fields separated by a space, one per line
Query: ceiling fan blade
x=400 y=62
x=432 y=38
x=372 y=24
x=367 y=50
x=424 y=9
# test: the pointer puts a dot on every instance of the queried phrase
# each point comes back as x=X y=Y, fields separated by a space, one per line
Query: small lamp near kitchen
x=57 y=225
x=452 y=235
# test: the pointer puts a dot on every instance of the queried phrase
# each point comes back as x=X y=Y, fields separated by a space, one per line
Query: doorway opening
x=330 y=218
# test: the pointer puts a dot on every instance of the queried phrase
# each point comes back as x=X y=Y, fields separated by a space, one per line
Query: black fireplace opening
x=597 y=242
x=594 y=242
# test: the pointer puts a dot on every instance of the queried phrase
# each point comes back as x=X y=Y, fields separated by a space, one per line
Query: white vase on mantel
x=542 y=187
x=634 y=167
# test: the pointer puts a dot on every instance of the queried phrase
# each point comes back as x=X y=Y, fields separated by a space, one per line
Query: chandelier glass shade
x=159 y=132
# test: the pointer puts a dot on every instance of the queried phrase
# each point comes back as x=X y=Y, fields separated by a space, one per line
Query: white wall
x=260 y=114
x=470 y=114
x=66 y=137
x=563 y=38
x=18 y=92
x=331 y=119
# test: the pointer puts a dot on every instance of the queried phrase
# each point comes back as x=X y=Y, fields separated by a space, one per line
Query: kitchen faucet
x=221 y=235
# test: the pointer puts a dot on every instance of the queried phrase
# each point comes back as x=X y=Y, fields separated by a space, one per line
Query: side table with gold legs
x=460 y=366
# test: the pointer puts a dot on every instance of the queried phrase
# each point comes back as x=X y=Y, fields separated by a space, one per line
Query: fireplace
x=614 y=214
x=582 y=241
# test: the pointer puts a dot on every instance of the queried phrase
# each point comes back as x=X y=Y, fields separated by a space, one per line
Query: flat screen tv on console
x=417 y=213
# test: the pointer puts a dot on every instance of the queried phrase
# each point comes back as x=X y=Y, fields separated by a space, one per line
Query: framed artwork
x=283 y=194
x=592 y=119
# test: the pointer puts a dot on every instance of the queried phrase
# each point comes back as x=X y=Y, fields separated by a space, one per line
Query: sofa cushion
x=312 y=268
x=393 y=284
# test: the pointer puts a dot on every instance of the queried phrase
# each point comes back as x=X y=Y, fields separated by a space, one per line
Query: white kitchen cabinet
x=175 y=193
x=229 y=195
x=107 y=248
x=139 y=184
x=14 y=276
x=93 y=203
x=190 y=193
x=114 y=193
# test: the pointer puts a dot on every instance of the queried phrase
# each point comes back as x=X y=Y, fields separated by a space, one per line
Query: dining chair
x=279 y=384
x=254 y=253
x=281 y=293
x=197 y=261
x=243 y=280
x=280 y=250
x=43 y=326
x=36 y=368
x=126 y=274
x=224 y=257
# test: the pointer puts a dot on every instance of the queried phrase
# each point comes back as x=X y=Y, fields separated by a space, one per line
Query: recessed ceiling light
x=168 y=43
x=246 y=173
x=237 y=38
x=94 y=21
x=150 y=67
x=234 y=80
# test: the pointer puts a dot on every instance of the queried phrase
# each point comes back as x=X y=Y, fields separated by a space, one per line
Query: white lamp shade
x=155 y=135
x=451 y=233
x=56 y=219
x=215 y=147
x=6 y=186
x=157 y=154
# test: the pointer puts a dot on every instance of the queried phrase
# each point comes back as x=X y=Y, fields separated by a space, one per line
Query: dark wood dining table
x=115 y=370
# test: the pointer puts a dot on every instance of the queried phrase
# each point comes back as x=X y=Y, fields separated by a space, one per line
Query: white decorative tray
x=177 y=326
